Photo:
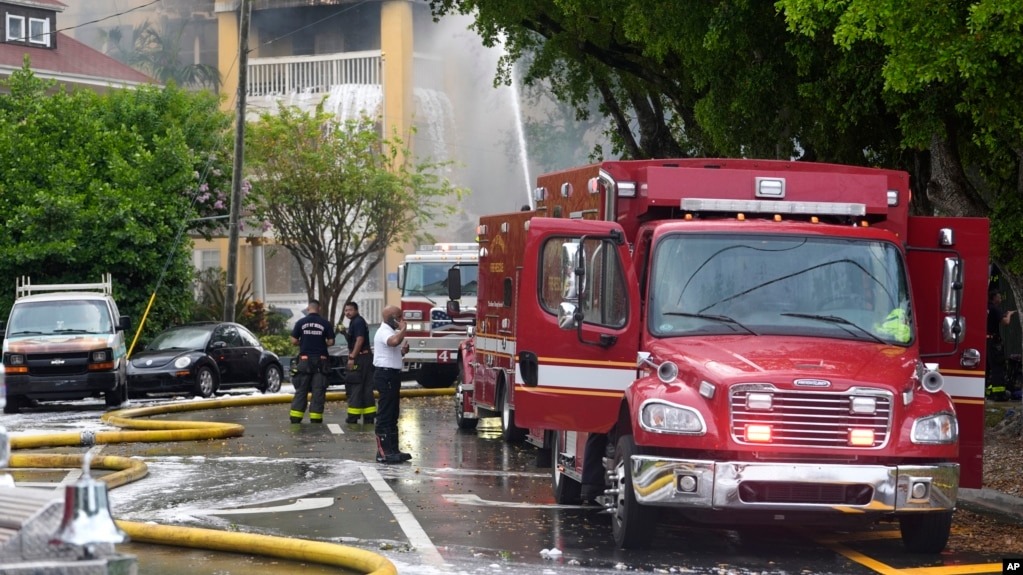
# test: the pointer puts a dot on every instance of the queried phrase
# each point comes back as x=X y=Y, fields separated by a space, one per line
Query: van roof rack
x=25 y=287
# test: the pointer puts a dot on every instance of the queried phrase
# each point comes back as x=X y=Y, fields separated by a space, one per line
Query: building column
x=398 y=102
x=227 y=50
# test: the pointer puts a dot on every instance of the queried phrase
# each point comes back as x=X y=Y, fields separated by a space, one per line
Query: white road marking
x=412 y=529
x=467 y=499
x=301 y=504
x=335 y=429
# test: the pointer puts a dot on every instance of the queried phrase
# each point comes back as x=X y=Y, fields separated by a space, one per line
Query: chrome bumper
x=761 y=486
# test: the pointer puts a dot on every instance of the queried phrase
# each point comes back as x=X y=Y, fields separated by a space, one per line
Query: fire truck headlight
x=941 y=428
x=416 y=326
x=413 y=314
x=661 y=417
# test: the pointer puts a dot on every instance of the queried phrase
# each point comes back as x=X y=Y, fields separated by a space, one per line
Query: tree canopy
x=95 y=183
x=927 y=86
x=337 y=194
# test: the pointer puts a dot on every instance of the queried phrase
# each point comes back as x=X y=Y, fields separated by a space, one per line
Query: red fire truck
x=433 y=338
x=738 y=342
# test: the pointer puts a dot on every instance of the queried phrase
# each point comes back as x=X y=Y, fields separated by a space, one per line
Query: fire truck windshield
x=430 y=279
x=818 y=286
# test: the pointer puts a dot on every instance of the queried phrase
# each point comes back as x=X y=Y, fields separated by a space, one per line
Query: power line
x=104 y=18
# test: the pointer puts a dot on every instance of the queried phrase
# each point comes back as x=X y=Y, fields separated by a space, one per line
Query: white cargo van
x=64 y=341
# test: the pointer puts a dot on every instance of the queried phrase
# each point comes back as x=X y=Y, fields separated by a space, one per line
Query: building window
x=297 y=283
x=39 y=31
x=209 y=259
x=15 y=28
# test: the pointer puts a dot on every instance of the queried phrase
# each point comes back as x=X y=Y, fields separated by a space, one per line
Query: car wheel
x=118 y=396
x=205 y=382
x=271 y=379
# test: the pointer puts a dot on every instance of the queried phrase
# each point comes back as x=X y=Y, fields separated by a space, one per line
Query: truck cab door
x=941 y=251
x=577 y=325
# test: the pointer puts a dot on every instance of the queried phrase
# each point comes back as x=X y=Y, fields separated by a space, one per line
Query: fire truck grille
x=58 y=364
x=808 y=493
x=811 y=418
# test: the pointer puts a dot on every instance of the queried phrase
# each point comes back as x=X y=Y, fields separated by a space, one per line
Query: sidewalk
x=991 y=501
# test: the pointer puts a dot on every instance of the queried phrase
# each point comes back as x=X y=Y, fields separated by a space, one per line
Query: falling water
x=521 y=135
x=433 y=110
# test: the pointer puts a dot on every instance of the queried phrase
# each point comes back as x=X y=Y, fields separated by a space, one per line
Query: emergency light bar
x=768 y=207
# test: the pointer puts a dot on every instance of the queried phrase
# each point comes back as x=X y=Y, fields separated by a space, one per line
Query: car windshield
x=431 y=278
x=189 y=337
x=774 y=284
x=59 y=317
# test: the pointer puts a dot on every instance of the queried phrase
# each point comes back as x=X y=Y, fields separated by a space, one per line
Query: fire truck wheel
x=925 y=532
x=510 y=433
x=566 y=490
x=632 y=524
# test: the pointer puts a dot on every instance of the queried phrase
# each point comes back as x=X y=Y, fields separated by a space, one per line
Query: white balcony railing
x=289 y=75
x=312 y=74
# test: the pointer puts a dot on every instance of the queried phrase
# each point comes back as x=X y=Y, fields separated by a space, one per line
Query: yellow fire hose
x=128 y=470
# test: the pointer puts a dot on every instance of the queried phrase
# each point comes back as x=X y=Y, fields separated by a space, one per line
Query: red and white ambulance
x=739 y=342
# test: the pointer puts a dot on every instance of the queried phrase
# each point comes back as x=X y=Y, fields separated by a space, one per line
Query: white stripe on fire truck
x=499 y=345
x=966 y=387
x=578 y=377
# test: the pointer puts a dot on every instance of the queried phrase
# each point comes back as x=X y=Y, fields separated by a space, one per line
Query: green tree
x=949 y=71
x=337 y=194
x=113 y=183
x=926 y=86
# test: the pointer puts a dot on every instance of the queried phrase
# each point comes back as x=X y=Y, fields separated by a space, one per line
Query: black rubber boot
x=384 y=452
x=394 y=448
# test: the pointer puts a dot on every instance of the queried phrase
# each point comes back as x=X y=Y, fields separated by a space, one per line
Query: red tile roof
x=47 y=3
x=71 y=58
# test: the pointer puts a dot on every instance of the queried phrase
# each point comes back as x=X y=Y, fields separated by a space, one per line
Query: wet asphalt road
x=466 y=503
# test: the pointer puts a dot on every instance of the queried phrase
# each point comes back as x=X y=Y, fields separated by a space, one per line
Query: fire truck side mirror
x=567 y=318
x=953 y=326
x=454 y=284
x=453 y=308
x=401 y=276
x=951 y=285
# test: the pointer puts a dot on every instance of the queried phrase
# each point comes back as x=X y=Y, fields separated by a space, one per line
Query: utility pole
x=239 y=152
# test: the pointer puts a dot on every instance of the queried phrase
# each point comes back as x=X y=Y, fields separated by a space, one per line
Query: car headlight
x=101 y=356
x=16 y=359
x=182 y=362
x=941 y=428
x=663 y=417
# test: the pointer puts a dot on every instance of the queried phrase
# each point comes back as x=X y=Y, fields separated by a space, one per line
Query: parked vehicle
x=433 y=338
x=64 y=341
x=202 y=358
x=741 y=342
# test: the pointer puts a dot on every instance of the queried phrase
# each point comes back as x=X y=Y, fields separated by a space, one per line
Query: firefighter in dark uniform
x=312 y=334
x=359 y=369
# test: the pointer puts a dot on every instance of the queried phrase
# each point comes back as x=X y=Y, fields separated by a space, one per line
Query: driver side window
x=599 y=292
